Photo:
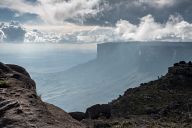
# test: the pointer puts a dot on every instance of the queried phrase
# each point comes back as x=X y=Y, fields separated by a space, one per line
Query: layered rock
x=21 y=107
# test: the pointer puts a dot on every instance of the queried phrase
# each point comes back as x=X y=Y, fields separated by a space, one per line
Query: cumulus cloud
x=98 y=35
x=94 y=35
x=36 y=36
x=12 y=32
x=175 y=29
x=56 y=11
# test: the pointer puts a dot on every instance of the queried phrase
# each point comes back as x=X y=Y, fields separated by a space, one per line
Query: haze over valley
x=58 y=45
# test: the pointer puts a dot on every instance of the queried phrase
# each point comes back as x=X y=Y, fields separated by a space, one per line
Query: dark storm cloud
x=94 y=11
x=133 y=10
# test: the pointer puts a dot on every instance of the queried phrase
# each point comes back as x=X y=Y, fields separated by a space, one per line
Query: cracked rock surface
x=21 y=107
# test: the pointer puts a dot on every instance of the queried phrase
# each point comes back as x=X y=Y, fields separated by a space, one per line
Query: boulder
x=4 y=68
x=18 y=69
x=78 y=115
x=96 y=111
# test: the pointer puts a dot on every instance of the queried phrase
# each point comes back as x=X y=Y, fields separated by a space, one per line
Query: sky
x=95 y=21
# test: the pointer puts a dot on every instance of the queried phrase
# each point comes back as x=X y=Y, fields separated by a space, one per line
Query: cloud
x=175 y=29
x=2 y=35
x=56 y=11
x=36 y=36
x=93 y=35
x=158 y=3
x=94 y=12
x=98 y=35
x=133 y=10
x=12 y=32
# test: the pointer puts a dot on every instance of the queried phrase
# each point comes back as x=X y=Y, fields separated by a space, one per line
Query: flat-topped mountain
x=118 y=66
x=21 y=107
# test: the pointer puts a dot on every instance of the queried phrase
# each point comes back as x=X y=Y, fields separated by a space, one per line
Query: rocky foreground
x=21 y=107
x=163 y=103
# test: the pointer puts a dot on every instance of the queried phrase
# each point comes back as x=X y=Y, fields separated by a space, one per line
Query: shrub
x=3 y=84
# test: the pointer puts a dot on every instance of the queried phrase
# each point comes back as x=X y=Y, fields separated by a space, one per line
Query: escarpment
x=165 y=103
x=21 y=107
x=162 y=103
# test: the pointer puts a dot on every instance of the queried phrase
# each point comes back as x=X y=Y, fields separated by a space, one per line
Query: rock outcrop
x=168 y=97
x=21 y=107
x=163 y=103
x=78 y=115
x=93 y=112
x=99 y=110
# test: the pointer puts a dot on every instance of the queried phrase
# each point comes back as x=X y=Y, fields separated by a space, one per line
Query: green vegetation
x=3 y=84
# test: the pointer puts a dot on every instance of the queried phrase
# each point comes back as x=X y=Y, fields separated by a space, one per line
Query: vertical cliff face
x=21 y=107
x=145 y=56
x=118 y=66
